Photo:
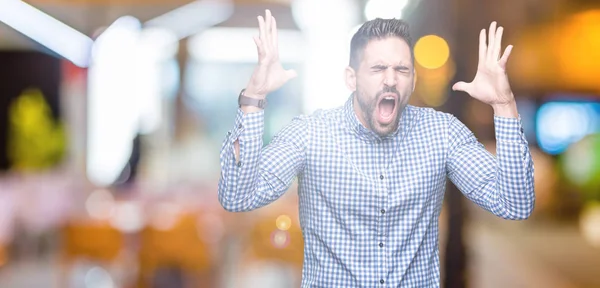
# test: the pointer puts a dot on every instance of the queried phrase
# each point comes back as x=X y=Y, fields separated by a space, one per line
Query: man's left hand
x=490 y=84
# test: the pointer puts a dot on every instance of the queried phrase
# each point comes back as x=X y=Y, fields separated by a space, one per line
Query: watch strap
x=249 y=101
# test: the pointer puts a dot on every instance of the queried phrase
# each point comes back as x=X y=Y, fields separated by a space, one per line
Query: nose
x=390 y=77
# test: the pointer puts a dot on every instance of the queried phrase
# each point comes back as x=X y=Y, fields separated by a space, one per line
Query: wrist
x=251 y=102
x=507 y=110
x=250 y=109
x=251 y=92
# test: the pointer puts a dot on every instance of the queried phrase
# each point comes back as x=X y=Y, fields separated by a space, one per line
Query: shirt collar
x=365 y=133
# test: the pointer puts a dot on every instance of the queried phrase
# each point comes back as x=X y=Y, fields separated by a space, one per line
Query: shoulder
x=323 y=117
x=306 y=124
x=442 y=123
x=430 y=116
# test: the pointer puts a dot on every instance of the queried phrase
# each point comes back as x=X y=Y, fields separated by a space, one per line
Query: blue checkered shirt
x=369 y=205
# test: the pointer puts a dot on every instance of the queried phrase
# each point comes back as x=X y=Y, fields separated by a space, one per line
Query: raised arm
x=501 y=184
x=253 y=176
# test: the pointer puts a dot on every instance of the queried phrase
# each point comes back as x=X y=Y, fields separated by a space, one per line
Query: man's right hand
x=268 y=75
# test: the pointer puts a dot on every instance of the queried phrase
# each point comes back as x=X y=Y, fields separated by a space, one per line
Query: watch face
x=262 y=103
x=245 y=100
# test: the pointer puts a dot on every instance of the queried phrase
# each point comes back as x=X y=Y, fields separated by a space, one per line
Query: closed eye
x=378 y=68
x=402 y=69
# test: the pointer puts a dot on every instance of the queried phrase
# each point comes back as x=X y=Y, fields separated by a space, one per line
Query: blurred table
x=529 y=254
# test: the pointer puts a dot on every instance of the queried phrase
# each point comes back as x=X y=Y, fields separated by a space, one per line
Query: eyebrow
x=382 y=66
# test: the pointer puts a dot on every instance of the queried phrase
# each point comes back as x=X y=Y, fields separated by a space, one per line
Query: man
x=371 y=173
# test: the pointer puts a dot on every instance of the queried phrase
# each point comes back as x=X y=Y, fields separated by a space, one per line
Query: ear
x=350 y=78
x=414 y=79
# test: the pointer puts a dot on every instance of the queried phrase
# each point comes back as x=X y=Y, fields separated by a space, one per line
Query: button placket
x=383 y=189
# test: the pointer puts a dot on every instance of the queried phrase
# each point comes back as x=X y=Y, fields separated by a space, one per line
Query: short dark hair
x=378 y=29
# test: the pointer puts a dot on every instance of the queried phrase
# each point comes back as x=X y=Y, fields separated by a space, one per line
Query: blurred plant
x=36 y=141
x=581 y=166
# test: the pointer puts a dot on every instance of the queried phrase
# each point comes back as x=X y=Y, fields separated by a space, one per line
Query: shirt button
x=381 y=177
x=240 y=126
x=239 y=164
x=382 y=211
x=381 y=281
x=380 y=244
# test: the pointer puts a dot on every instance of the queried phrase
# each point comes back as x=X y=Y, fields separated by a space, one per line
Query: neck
x=359 y=113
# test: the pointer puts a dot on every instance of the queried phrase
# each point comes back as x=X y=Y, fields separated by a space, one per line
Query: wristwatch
x=249 y=101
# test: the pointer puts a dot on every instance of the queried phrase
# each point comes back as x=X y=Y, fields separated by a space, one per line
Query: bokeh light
x=128 y=217
x=280 y=239
x=100 y=204
x=164 y=216
x=283 y=222
x=581 y=166
x=558 y=57
x=562 y=123
x=578 y=50
x=97 y=277
x=431 y=51
x=589 y=223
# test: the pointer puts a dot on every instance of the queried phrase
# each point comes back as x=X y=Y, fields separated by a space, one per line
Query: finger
x=268 y=24
x=274 y=36
x=491 y=39
x=263 y=33
x=261 y=28
x=497 y=44
x=461 y=86
x=258 y=46
x=482 y=47
x=504 y=58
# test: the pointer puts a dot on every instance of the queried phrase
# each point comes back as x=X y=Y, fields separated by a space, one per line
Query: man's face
x=383 y=84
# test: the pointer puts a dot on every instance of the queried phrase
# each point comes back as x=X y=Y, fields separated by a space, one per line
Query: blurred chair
x=95 y=241
x=273 y=249
x=3 y=255
x=175 y=252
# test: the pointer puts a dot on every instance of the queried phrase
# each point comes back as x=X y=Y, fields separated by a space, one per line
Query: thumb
x=291 y=74
x=461 y=86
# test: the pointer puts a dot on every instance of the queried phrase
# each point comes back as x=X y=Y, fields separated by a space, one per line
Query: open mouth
x=386 y=107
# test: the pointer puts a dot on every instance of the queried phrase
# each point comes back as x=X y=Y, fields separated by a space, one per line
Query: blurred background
x=112 y=115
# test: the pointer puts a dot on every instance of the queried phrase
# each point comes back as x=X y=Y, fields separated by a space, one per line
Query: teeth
x=389 y=98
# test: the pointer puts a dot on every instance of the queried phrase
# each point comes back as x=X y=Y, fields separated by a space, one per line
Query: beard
x=369 y=106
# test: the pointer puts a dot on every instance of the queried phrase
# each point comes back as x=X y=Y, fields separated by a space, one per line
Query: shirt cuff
x=248 y=125
x=509 y=129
